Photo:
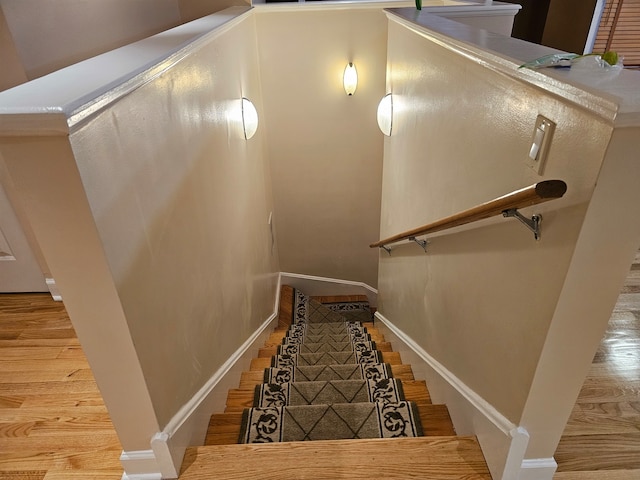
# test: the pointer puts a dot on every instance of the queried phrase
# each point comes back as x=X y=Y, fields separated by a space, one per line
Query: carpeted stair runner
x=339 y=421
x=320 y=373
x=332 y=391
x=322 y=347
x=327 y=381
x=327 y=358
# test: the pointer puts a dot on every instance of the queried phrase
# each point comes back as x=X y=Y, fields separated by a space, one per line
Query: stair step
x=340 y=298
x=276 y=337
x=241 y=398
x=224 y=428
x=285 y=312
x=271 y=351
x=435 y=458
x=368 y=325
x=260 y=363
x=254 y=377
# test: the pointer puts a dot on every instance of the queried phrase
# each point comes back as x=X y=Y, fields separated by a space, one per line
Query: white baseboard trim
x=140 y=465
x=318 y=286
x=142 y=476
x=538 y=469
x=188 y=427
x=503 y=443
x=53 y=289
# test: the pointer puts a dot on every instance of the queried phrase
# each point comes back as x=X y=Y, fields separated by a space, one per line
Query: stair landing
x=433 y=458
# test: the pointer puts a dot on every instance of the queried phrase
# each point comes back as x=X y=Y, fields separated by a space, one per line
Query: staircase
x=437 y=453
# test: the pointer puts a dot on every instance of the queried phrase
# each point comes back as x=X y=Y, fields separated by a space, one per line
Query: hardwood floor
x=602 y=438
x=53 y=422
x=54 y=426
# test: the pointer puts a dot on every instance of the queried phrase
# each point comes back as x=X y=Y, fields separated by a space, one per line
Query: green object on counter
x=610 y=57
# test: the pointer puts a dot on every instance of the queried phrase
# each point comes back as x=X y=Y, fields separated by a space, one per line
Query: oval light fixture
x=249 y=118
x=350 y=79
x=385 y=114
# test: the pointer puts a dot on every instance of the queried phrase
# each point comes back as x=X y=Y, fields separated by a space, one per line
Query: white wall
x=324 y=147
x=184 y=214
x=486 y=298
x=462 y=138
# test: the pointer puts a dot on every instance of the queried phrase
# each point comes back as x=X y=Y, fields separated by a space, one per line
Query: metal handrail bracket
x=532 y=224
x=422 y=243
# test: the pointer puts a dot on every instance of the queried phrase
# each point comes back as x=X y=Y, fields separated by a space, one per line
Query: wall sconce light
x=385 y=114
x=350 y=79
x=249 y=118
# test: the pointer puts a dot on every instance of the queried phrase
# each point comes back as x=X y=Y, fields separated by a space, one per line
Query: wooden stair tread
x=435 y=419
x=224 y=428
x=285 y=310
x=436 y=458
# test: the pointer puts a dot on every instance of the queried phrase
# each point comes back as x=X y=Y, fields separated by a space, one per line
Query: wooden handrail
x=525 y=197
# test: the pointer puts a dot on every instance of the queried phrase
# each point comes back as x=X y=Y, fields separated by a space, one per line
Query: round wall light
x=350 y=79
x=249 y=118
x=385 y=114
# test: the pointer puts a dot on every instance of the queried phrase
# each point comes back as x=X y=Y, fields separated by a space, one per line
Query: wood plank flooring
x=54 y=426
x=602 y=438
x=53 y=422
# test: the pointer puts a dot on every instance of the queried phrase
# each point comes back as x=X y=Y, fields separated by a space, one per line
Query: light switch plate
x=540 y=143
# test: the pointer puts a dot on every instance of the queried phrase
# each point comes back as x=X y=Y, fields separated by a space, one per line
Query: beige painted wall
x=509 y=324
x=482 y=300
x=52 y=34
x=183 y=217
x=153 y=216
x=324 y=147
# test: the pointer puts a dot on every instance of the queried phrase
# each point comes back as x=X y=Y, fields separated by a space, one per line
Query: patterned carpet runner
x=328 y=382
